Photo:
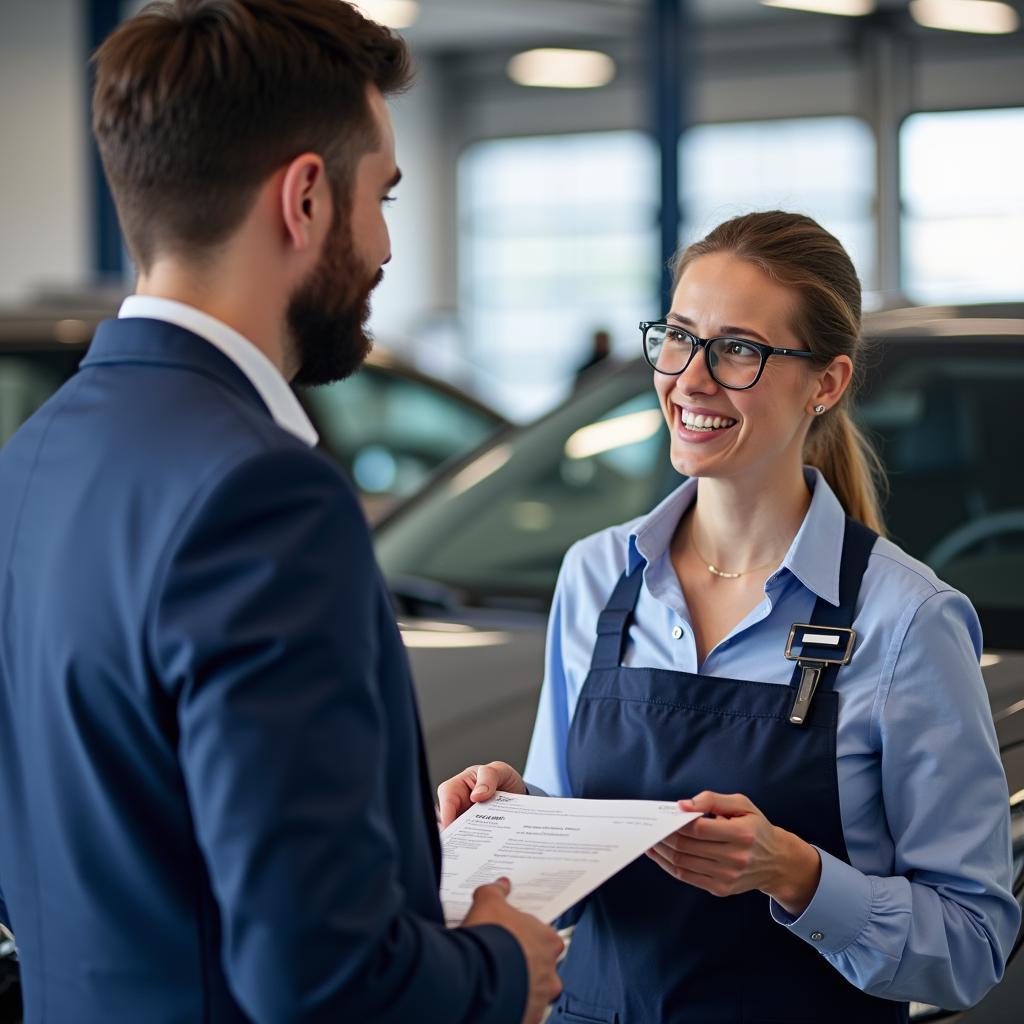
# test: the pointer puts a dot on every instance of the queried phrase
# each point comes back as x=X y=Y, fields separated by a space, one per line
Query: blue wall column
x=107 y=251
x=671 y=58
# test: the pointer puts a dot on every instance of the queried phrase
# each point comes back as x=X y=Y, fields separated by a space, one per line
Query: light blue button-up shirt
x=924 y=909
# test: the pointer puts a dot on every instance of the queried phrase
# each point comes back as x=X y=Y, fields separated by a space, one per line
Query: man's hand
x=540 y=943
x=738 y=850
x=477 y=783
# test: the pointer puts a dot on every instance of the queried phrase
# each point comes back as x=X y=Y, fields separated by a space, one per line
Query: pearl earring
x=819 y=409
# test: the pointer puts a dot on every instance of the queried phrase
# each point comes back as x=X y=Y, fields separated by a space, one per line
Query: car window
x=392 y=431
x=502 y=524
x=945 y=426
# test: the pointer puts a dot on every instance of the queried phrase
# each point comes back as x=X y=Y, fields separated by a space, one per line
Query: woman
x=854 y=853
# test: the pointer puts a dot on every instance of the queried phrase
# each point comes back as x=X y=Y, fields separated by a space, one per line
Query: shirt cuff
x=839 y=910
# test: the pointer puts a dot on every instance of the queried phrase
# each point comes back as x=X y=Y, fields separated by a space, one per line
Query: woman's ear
x=832 y=382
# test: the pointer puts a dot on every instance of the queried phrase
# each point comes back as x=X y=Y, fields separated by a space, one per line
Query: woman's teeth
x=705 y=423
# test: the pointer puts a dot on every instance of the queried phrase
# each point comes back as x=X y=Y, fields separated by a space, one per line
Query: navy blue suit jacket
x=213 y=805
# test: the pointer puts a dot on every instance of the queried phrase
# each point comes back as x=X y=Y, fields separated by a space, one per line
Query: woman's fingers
x=696 y=859
x=714 y=830
x=715 y=886
x=735 y=851
x=685 y=873
x=725 y=804
x=681 y=843
x=711 y=876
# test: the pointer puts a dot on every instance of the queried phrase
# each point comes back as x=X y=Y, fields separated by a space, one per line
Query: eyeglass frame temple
x=696 y=342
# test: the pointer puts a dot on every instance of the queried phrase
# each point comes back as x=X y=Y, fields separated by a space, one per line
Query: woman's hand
x=739 y=850
x=477 y=783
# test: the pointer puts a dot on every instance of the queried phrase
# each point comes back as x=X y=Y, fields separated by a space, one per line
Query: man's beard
x=327 y=315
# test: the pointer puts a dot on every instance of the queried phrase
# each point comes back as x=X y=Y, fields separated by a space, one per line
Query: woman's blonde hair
x=800 y=254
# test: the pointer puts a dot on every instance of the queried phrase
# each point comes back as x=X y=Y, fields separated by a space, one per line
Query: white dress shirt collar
x=278 y=397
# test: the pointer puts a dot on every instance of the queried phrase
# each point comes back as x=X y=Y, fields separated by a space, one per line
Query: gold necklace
x=715 y=571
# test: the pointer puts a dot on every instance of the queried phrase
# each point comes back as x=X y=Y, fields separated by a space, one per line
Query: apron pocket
x=574 y=1011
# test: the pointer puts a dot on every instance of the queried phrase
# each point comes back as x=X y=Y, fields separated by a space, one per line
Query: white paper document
x=554 y=850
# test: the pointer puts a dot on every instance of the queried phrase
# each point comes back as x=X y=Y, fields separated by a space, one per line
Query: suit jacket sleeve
x=263 y=627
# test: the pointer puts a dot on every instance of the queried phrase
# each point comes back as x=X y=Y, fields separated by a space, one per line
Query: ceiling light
x=848 y=8
x=72 y=332
x=392 y=13
x=987 y=16
x=562 y=69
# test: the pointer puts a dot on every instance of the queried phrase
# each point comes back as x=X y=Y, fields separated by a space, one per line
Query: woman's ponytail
x=845 y=458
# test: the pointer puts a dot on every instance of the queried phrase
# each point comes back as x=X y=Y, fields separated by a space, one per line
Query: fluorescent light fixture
x=71 y=332
x=605 y=435
x=988 y=660
x=392 y=13
x=986 y=16
x=848 y=8
x=562 y=69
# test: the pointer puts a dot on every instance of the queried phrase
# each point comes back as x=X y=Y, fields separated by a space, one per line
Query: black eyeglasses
x=735 y=363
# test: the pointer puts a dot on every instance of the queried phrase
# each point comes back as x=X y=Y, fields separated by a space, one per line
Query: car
x=390 y=426
x=473 y=557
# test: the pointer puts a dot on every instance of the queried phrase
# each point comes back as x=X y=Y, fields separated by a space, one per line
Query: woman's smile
x=699 y=426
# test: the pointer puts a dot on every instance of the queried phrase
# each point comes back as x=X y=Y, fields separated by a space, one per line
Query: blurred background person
x=600 y=350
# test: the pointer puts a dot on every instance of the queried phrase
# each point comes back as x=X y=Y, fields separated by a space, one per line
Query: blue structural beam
x=670 y=50
x=101 y=18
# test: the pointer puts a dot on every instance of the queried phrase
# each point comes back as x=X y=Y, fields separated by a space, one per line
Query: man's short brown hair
x=198 y=101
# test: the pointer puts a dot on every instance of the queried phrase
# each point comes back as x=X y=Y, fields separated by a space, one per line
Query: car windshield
x=392 y=430
x=942 y=417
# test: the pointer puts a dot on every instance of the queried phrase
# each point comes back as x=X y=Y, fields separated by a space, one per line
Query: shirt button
x=677 y=632
x=817 y=936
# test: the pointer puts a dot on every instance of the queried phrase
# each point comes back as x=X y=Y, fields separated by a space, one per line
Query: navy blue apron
x=649 y=949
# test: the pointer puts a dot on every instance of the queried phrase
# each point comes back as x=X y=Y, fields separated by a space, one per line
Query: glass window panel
x=821 y=166
x=963 y=205
x=557 y=239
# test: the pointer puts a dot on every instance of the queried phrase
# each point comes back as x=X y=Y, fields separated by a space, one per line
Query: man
x=212 y=791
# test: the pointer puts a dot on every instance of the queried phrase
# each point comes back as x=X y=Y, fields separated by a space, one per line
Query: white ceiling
x=461 y=25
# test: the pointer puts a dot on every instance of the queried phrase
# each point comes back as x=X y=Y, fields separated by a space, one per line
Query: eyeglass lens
x=732 y=362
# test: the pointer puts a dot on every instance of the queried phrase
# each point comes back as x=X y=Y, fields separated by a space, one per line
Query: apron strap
x=613 y=622
x=858 y=540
